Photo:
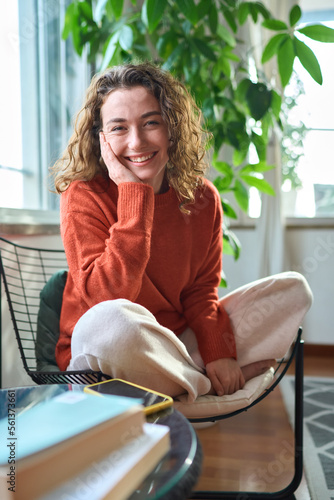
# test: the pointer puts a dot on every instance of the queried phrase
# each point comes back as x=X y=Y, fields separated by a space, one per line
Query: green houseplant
x=202 y=42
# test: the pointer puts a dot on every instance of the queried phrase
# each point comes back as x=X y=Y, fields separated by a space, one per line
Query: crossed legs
x=124 y=340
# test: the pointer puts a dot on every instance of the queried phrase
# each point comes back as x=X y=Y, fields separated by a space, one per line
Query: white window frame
x=41 y=142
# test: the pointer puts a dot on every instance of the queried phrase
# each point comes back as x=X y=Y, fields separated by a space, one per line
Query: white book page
x=97 y=480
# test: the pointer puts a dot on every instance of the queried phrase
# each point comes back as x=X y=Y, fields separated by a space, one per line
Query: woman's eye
x=117 y=129
x=114 y=130
x=152 y=122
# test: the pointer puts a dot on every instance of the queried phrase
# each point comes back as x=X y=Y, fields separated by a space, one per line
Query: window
x=308 y=188
x=41 y=90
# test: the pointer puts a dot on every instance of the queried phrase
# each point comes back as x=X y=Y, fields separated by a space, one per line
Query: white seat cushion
x=211 y=406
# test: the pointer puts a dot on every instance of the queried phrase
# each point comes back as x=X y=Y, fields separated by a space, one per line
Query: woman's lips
x=140 y=159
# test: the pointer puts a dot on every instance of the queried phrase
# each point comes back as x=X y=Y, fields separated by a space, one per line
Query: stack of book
x=78 y=446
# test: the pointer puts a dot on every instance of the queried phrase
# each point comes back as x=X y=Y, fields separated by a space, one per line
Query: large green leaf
x=117 y=7
x=227 y=52
x=240 y=154
x=152 y=12
x=262 y=10
x=242 y=88
x=258 y=98
x=229 y=18
x=295 y=15
x=110 y=50
x=228 y=210
x=71 y=19
x=285 y=57
x=204 y=49
x=225 y=35
x=254 y=12
x=318 y=32
x=260 y=167
x=232 y=134
x=260 y=146
x=213 y=19
x=276 y=104
x=85 y=10
x=258 y=183
x=189 y=9
x=224 y=66
x=308 y=60
x=167 y=43
x=267 y=124
x=77 y=38
x=274 y=24
x=223 y=183
x=223 y=167
x=208 y=107
x=175 y=55
x=219 y=136
x=203 y=8
x=231 y=245
x=273 y=45
x=223 y=281
x=243 y=11
x=241 y=195
x=126 y=38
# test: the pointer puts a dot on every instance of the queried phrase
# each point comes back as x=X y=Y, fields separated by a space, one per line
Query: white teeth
x=142 y=158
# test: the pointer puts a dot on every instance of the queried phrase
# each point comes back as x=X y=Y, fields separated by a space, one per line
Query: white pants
x=124 y=340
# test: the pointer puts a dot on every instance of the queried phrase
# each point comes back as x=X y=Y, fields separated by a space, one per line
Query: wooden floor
x=254 y=450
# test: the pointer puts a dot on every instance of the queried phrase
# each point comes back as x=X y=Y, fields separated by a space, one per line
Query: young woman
x=142 y=231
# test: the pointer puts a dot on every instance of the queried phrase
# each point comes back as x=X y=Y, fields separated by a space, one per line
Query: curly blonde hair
x=186 y=166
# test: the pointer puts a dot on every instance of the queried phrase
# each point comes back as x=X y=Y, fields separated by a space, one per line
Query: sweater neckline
x=164 y=198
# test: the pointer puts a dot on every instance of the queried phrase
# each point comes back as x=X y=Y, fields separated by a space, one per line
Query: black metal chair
x=25 y=272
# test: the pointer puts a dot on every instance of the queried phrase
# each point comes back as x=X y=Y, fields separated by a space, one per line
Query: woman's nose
x=136 y=138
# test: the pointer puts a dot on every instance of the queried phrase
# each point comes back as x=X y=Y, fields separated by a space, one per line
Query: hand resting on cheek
x=116 y=170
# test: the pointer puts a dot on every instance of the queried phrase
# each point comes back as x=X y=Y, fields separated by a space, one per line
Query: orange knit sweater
x=127 y=242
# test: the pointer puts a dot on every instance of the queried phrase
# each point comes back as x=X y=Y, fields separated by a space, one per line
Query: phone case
x=154 y=401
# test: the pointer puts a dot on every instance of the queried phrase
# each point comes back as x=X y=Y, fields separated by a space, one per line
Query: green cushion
x=48 y=322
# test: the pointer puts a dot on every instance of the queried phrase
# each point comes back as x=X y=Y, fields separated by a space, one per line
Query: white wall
x=309 y=251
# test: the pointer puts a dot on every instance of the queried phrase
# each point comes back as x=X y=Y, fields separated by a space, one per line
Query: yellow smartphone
x=152 y=401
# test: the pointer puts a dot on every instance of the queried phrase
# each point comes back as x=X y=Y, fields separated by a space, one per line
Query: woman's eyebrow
x=151 y=113
x=122 y=120
x=116 y=120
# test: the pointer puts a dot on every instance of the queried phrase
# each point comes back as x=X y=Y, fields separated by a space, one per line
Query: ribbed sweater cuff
x=218 y=348
x=220 y=342
x=133 y=199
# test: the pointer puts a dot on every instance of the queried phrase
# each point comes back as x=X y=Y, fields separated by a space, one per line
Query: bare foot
x=257 y=368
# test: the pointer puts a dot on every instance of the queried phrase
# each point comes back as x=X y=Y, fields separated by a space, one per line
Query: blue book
x=47 y=444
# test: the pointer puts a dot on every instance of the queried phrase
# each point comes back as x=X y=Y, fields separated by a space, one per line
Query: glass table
x=174 y=477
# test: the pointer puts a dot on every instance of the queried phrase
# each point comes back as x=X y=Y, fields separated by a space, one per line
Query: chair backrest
x=25 y=272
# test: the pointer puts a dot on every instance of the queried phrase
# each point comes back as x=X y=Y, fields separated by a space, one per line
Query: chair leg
x=288 y=492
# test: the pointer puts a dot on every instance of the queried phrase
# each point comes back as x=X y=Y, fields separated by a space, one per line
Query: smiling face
x=133 y=126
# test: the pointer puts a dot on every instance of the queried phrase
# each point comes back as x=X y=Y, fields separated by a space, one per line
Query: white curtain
x=270 y=227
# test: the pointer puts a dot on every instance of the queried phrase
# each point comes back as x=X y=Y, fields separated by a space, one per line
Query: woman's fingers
x=116 y=170
x=225 y=376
